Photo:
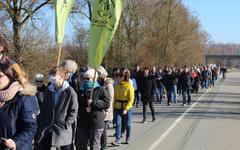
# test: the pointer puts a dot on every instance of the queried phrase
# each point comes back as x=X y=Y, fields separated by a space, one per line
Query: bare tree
x=19 y=12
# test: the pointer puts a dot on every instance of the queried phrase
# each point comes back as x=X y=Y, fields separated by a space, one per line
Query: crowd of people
x=73 y=106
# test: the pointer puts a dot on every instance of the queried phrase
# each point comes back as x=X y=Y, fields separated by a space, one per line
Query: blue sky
x=219 y=18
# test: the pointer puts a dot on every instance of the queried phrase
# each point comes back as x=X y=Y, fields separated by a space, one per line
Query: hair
x=60 y=71
x=9 y=72
x=146 y=68
x=125 y=74
x=3 y=43
x=69 y=65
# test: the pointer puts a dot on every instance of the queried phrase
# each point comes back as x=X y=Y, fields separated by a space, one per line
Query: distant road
x=212 y=122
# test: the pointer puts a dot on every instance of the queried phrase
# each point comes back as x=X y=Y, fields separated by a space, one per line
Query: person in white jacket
x=107 y=83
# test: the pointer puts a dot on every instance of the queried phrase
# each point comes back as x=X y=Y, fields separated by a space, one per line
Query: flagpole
x=95 y=72
x=59 y=53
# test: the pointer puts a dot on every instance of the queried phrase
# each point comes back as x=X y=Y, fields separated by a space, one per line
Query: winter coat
x=94 y=119
x=110 y=89
x=18 y=121
x=186 y=80
x=159 y=79
x=168 y=80
x=147 y=88
x=58 y=118
x=39 y=95
x=205 y=75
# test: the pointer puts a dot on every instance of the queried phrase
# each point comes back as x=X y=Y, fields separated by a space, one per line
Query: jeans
x=83 y=135
x=119 y=116
x=137 y=97
x=205 y=84
x=174 y=93
x=185 y=93
x=145 y=109
x=160 y=93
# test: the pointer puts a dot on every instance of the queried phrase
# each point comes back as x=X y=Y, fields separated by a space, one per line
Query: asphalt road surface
x=211 y=122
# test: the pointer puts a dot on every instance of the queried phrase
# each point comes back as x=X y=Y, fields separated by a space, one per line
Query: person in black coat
x=18 y=111
x=168 y=79
x=147 y=89
x=137 y=76
x=186 y=82
x=160 y=87
x=41 y=87
x=90 y=121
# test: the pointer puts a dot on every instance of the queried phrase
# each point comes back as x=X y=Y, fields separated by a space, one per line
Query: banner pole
x=59 y=53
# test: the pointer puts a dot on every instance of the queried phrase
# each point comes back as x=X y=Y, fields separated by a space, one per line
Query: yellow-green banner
x=104 y=22
x=62 y=12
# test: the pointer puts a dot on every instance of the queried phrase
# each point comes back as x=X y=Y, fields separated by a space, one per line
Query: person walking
x=168 y=80
x=91 y=113
x=123 y=102
x=186 y=82
x=147 y=89
x=106 y=83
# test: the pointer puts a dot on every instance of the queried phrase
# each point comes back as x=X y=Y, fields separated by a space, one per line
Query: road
x=212 y=122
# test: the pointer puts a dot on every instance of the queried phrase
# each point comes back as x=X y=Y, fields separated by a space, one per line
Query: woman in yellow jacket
x=123 y=101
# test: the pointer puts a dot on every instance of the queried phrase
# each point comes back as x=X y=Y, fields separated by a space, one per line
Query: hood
x=28 y=89
x=109 y=81
x=64 y=86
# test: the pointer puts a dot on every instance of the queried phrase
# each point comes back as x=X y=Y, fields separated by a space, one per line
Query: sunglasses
x=87 y=78
x=39 y=81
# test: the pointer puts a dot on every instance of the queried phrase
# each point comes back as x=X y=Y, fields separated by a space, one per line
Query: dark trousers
x=145 y=109
x=46 y=144
x=104 y=136
x=169 y=96
x=185 y=93
x=93 y=135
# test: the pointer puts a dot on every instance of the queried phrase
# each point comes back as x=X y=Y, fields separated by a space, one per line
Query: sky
x=219 y=18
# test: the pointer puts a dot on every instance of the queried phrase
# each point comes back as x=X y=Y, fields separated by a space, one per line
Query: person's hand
x=88 y=109
x=124 y=112
x=9 y=143
x=89 y=102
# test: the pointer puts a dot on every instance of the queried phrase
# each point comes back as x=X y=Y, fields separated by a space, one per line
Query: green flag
x=104 y=22
x=62 y=12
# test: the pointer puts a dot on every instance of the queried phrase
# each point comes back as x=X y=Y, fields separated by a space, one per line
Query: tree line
x=150 y=32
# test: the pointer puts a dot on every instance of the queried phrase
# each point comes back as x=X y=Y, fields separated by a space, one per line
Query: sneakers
x=143 y=121
x=116 y=143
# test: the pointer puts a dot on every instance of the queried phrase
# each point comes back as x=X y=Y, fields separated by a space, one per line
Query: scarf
x=88 y=84
x=9 y=93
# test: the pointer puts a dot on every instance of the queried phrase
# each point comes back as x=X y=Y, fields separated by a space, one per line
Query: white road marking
x=165 y=134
